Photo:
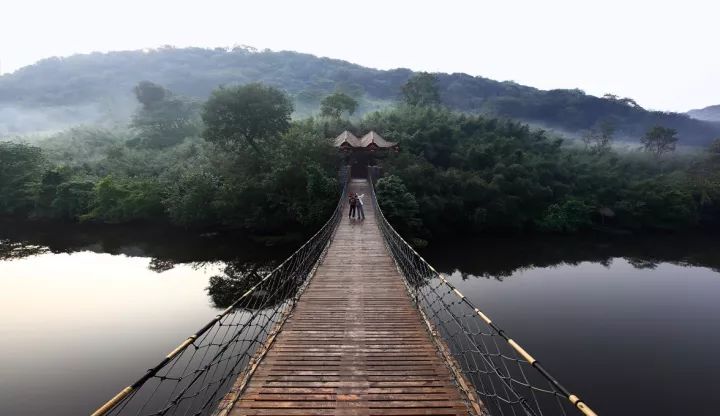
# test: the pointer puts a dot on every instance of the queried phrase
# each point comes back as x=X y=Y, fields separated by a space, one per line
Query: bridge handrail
x=452 y=315
x=276 y=293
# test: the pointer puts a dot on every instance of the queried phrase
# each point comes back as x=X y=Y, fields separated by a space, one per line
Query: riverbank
x=138 y=239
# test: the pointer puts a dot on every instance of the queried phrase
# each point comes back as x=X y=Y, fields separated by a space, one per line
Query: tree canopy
x=454 y=174
x=246 y=116
x=162 y=119
x=336 y=104
x=84 y=89
x=659 y=140
x=421 y=90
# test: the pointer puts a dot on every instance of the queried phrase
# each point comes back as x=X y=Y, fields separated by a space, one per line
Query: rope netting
x=503 y=378
x=203 y=375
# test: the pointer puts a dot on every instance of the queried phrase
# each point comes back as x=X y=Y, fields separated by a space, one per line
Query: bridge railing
x=205 y=373
x=498 y=376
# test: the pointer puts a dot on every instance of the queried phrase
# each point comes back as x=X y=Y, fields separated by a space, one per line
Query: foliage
x=20 y=172
x=190 y=198
x=714 y=150
x=599 y=139
x=398 y=205
x=336 y=104
x=471 y=174
x=571 y=215
x=659 y=140
x=454 y=174
x=293 y=185
x=97 y=88
x=246 y=116
x=162 y=119
x=117 y=201
x=421 y=90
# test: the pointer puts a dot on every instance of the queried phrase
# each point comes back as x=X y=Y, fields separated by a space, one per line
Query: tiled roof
x=371 y=139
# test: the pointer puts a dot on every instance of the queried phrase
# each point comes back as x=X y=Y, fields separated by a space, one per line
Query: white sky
x=664 y=54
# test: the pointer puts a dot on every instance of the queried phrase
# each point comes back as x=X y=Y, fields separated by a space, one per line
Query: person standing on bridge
x=360 y=212
x=352 y=201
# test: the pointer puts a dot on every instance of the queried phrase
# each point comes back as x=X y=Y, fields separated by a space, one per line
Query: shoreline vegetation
x=239 y=163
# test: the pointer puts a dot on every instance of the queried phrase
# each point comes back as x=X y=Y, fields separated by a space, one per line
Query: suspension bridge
x=355 y=322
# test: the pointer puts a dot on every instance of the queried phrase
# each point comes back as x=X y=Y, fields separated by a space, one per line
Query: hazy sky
x=665 y=54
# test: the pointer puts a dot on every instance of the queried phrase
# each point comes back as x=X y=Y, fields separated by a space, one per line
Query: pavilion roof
x=370 y=140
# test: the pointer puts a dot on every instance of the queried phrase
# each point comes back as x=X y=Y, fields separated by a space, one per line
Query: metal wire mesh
x=504 y=377
x=195 y=378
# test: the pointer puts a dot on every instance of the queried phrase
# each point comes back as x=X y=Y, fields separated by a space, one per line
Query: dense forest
x=240 y=161
x=96 y=88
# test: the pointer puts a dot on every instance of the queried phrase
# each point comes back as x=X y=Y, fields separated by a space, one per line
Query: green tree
x=21 y=168
x=421 y=90
x=336 y=104
x=398 y=205
x=47 y=191
x=248 y=115
x=123 y=200
x=150 y=94
x=568 y=216
x=714 y=151
x=190 y=199
x=72 y=199
x=599 y=139
x=162 y=120
x=659 y=140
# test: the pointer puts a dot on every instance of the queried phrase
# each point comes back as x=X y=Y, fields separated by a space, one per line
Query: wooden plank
x=355 y=344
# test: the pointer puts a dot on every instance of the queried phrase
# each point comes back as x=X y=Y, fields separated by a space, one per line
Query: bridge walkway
x=355 y=344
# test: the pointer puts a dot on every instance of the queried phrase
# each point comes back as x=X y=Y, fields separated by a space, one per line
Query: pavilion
x=362 y=152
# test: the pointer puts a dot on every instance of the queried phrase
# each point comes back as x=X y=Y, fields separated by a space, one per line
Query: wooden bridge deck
x=355 y=344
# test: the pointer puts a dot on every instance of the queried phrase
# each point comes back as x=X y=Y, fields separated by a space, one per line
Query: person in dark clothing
x=352 y=201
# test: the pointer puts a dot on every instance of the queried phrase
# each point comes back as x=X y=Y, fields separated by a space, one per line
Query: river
x=631 y=324
x=84 y=311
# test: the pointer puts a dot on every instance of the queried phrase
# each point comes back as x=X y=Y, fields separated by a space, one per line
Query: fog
x=20 y=120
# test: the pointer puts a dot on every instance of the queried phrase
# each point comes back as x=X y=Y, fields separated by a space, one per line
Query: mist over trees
x=659 y=140
x=238 y=161
x=421 y=90
x=162 y=119
x=252 y=115
x=335 y=105
x=97 y=88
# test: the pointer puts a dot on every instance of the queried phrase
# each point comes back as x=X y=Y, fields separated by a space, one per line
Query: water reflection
x=237 y=278
x=13 y=250
x=161 y=265
x=166 y=247
x=616 y=319
x=120 y=299
x=501 y=257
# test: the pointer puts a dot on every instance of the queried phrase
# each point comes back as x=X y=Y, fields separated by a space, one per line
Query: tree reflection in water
x=159 y=265
x=165 y=248
x=642 y=263
x=14 y=250
x=237 y=278
x=498 y=257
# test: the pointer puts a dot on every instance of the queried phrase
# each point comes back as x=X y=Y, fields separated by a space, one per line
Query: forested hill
x=711 y=113
x=97 y=87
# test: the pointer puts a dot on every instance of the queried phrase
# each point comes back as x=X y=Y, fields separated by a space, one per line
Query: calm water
x=83 y=313
x=632 y=325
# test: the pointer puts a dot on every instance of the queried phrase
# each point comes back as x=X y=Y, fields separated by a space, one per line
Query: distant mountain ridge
x=711 y=113
x=97 y=87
